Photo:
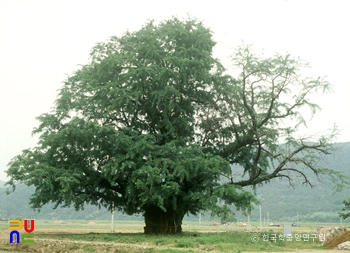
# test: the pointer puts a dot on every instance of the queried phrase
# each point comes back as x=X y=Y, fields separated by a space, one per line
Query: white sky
x=43 y=41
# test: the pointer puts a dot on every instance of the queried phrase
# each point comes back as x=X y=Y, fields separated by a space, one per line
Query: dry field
x=68 y=236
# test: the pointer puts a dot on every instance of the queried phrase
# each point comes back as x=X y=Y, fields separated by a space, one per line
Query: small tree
x=346 y=210
x=152 y=125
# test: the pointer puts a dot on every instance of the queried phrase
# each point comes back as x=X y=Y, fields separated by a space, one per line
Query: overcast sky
x=44 y=41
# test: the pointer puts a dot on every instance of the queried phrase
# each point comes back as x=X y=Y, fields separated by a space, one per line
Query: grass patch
x=77 y=236
x=192 y=241
x=186 y=243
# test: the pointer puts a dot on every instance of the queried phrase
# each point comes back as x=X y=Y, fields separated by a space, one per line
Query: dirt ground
x=338 y=240
x=51 y=245
x=45 y=245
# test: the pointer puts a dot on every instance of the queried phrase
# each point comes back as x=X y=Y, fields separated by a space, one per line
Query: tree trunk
x=160 y=222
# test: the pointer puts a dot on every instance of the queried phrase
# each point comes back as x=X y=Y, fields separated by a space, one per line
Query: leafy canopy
x=346 y=210
x=154 y=120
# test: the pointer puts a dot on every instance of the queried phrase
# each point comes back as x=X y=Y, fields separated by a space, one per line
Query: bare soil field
x=45 y=243
x=338 y=240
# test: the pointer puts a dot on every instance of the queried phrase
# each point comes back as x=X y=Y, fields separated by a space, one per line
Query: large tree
x=153 y=124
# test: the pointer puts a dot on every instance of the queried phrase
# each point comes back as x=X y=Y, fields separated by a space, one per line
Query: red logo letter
x=31 y=226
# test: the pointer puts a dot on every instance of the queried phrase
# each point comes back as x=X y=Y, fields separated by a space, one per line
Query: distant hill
x=280 y=201
x=16 y=205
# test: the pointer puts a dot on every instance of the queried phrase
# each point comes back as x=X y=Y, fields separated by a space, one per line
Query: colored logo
x=16 y=225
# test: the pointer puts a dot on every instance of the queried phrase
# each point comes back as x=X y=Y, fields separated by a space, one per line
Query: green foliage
x=153 y=121
x=122 y=131
x=346 y=210
x=249 y=114
x=317 y=204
